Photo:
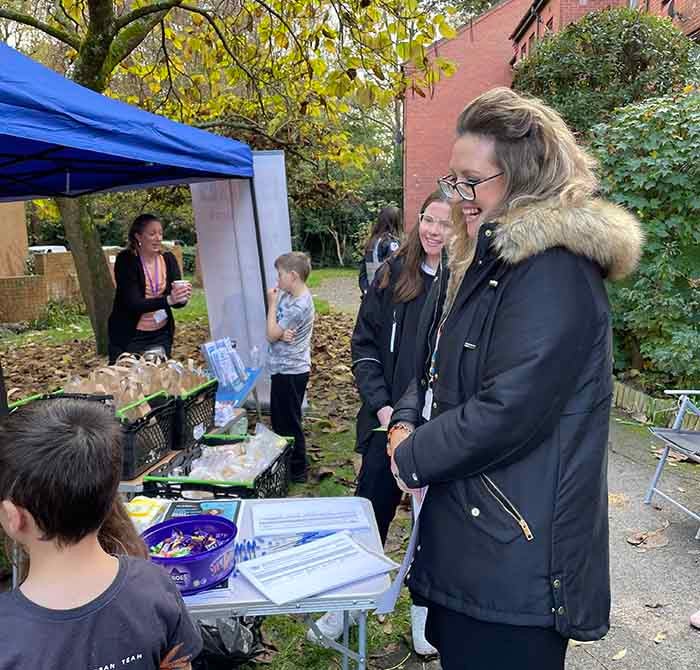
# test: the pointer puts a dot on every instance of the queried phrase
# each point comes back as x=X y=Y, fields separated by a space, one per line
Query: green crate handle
x=136 y=403
x=187 y=480
x=197 y=389
x=25 y=401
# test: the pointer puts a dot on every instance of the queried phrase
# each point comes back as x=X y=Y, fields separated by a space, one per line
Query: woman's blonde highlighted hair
x=538 y=154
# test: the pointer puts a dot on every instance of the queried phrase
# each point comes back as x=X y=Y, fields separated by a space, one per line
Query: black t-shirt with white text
x=134 y=624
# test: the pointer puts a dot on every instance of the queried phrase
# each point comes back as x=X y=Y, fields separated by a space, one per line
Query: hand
x=180 y=294
x=288 y=335
x=400 y=482
x=272 y=295
x=397 y=436
x=384 y=415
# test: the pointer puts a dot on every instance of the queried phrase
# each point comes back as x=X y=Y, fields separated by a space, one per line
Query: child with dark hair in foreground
x=79 y=606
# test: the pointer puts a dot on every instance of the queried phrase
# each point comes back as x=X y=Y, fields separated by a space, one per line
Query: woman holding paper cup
x=507 y=420
x=149 y=285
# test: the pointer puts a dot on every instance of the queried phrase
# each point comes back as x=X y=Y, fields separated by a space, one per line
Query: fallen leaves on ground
x=38 y=367
x=673 y=456
x=654 y=539
x=617 y=499
x=620 y=655
x=660 y=637
x=332 y=391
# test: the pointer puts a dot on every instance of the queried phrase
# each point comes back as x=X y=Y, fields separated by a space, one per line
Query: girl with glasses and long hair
x=383 y=351
x=506 y=421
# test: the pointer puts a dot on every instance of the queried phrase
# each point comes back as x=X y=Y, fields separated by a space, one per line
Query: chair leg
x=656 y=477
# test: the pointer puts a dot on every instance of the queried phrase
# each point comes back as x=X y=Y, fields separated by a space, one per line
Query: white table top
x=242 y=598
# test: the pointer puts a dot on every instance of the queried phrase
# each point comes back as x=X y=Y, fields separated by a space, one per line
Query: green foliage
x=608 y=59
x=59 y=314
x=189 y=260
x=649 y=164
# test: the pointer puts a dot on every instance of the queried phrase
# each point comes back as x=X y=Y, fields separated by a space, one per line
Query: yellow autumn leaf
x=620 y=655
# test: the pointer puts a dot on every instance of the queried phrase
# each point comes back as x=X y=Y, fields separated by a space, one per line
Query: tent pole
x=3 y=395
x=258 y=239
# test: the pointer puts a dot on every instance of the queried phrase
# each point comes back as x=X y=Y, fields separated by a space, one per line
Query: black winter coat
x=514 y=528
x=383 y=348
x=130 y=302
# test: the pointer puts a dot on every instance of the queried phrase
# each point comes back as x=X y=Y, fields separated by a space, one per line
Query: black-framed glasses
x=465 y=188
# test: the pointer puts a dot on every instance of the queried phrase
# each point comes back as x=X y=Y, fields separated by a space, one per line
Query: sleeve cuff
x=406 y=462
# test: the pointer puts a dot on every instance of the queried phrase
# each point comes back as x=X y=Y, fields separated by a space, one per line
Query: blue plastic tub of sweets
x=198 y=571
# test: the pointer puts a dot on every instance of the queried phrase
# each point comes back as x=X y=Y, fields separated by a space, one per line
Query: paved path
x=342 y=293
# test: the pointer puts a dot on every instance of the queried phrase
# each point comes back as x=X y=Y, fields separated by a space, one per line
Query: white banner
x=229 y=255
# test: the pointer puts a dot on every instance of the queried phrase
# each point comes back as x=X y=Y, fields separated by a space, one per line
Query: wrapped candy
x=180 y=545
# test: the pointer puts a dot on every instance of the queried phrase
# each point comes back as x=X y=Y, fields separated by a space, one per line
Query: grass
x=333 y=455
x=317 y=277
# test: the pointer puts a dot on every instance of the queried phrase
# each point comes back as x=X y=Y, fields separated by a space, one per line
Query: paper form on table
x=308 y=516
x=313 y=568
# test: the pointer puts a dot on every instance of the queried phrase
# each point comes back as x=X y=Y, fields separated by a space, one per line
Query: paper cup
x=180 y=283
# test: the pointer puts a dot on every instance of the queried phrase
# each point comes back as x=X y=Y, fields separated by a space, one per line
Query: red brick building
x=485 y=52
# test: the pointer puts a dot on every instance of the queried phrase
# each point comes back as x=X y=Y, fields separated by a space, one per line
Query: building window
x=531 y=43
x=634 y=4
x=523 y=51
x=550 y=25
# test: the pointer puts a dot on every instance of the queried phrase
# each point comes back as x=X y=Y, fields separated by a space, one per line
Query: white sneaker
x=421 y=646
x=331 y=625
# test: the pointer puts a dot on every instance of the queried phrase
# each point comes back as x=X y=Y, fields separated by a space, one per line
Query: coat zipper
x=393 y=334
x=507 y=506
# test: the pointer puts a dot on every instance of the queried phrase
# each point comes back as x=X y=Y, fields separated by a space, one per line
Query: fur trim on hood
x=596 y=229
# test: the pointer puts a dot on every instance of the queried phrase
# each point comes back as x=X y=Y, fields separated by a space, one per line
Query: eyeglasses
x=465 y=189
x=444 y=224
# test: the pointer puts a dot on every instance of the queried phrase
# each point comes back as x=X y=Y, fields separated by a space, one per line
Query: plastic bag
x=229 y=643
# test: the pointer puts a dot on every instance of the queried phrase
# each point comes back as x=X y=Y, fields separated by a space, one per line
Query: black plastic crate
x=148 y=439
x=195 y=414
x=57 y=395
x=273 y=482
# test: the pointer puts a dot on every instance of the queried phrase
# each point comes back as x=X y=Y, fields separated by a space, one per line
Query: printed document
x=290 y=517
x=313 y=568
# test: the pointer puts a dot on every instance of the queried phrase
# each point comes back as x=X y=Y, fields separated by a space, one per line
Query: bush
x=59 y=314
x=649 y=164
x=608 y=59
x=189 y=260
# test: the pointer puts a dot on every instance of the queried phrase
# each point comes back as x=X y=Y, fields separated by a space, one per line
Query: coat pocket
x=492 y=512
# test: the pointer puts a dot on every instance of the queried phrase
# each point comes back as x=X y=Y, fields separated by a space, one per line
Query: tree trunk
x=95 y=280
x=338 y=250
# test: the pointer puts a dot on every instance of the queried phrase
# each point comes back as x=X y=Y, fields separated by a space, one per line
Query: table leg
x=346 y=639
x=257 y=404
x=362 y=644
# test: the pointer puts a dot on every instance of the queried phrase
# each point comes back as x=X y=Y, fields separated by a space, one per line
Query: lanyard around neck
x=155 y=285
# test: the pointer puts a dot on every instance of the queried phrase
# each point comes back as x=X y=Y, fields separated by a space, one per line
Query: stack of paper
x=313 y=568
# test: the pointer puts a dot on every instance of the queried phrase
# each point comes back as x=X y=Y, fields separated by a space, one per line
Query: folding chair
x=685 y=442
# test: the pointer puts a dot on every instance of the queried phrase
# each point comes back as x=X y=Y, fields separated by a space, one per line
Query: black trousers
x=143 y=340
x=377 y=484
x=465 y=643
x=286 y=397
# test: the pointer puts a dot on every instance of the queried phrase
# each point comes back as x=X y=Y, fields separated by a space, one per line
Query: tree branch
x=142 y=12
x=253 y=127
x=283 y=21
x=65 y=36
x=229 y=51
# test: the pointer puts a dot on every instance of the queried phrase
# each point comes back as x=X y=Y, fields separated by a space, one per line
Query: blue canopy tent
x=59 y=139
